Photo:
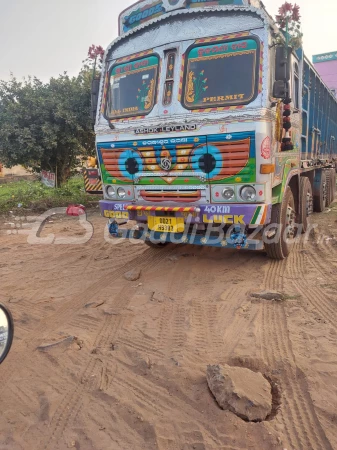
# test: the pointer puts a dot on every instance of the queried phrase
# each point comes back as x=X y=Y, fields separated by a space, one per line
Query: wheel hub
x=325 y=192
x=291 y=222
x=310 y=204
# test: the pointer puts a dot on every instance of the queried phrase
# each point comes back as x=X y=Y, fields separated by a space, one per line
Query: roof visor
x=146 y=10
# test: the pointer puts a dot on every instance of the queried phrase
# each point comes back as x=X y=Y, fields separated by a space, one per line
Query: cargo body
x=191 y=143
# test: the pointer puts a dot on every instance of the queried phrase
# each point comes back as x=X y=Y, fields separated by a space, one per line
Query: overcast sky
x=46 y=37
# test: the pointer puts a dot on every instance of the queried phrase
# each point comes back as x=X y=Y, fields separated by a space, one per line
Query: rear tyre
x=334 y=177
x=331 y=186
x=320 y=191
x=306 y=203
x=279 y=236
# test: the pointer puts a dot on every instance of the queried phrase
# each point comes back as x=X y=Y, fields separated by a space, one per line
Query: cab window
x=132 y=88
x=221 y=74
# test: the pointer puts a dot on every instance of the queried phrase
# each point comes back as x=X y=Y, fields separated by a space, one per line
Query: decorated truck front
x=189 y=138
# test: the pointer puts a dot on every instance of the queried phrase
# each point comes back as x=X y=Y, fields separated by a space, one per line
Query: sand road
x=102 y=363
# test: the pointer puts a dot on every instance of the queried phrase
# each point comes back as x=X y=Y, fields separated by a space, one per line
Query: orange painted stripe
x=261 y=69
x=105 y=93
x=180 y=93
x=223 y=108
x=134 y=56
x=221 y=38
x=263 y=220
x=159 y=208
x=126 y=119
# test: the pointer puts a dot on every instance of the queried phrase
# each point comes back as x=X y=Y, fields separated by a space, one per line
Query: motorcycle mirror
x=6 y=332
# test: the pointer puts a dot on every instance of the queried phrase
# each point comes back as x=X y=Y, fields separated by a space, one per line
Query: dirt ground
x=102 y=363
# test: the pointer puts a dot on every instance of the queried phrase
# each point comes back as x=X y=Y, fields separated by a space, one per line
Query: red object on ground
x=75 y=210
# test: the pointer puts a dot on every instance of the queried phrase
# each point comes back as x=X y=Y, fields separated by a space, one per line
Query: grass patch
x=34 y=196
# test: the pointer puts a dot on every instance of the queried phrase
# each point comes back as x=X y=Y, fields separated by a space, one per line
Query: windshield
x=132 y=88
x=221 y=75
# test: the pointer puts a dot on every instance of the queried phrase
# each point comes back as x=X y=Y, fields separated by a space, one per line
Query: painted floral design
x=266 y=148
x=197 y=84
x=145 y=94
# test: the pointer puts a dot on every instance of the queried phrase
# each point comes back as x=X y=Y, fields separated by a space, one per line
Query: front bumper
x=235 y=240
x=234 y=214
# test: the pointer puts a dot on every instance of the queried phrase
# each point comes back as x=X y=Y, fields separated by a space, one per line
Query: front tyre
x=279 y=236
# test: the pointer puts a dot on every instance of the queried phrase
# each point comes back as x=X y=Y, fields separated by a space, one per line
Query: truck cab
x=190 y=140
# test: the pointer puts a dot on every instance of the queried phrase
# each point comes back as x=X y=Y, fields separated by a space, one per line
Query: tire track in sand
x=194 y=286
x=219 y=323
x=91 y=376
x=302 y=426
x=152 y=394
x=317 y=297
x=172 y=333
x=23 y=349
x=193 y=289
x=71 y=404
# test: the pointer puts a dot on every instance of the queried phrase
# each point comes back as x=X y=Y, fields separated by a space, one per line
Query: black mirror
x=282 y=64
x=94 y=97
x=6 y=332
x=280 y=89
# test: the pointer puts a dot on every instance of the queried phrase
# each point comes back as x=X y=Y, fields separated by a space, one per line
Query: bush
x=33 y=195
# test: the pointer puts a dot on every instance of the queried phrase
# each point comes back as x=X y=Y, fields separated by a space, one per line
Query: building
x=16 y=171
x=326 y=66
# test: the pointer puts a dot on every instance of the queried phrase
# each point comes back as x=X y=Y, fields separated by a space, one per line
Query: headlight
x=111 y=192
x=228 y=194
x=248 y=194
x=121 y=193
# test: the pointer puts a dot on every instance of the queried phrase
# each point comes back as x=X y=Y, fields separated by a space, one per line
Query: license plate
x=166 y=224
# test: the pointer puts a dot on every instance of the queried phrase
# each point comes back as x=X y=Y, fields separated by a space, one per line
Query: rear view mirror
x=282 y=64
x=94 y=97
x=6 y=332
x=279 y=89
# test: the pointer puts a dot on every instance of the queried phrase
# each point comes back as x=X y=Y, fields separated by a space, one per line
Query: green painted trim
x=276 y=194
x=279 y=190
x=208 y=50
x=108 y=179
x=256 y=215
x=247 y=175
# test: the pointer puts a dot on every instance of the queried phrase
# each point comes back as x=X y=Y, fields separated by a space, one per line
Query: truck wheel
x=331 y=186
x=306 y=202
x=333 y=191
x=320 y=191
x=279 y=239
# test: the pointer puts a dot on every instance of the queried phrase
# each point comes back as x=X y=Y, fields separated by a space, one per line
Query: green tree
x=46 y=126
